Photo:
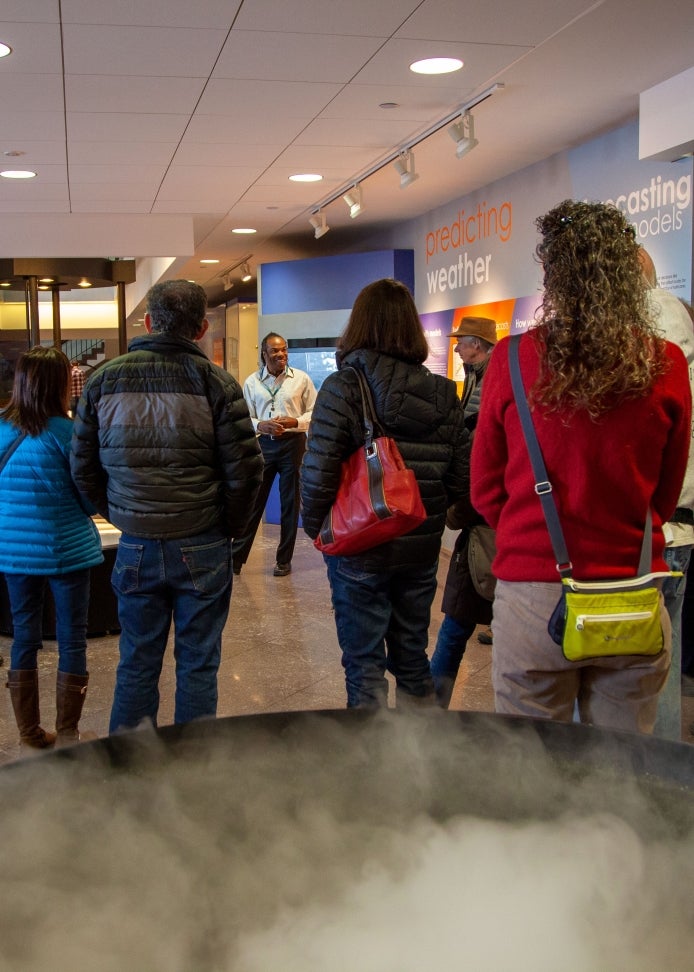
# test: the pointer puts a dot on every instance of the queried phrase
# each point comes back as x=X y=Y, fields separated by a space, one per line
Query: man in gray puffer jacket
x=164 y=448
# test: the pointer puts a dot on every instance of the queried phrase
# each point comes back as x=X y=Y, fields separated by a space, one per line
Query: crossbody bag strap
x=543 y=487
x=11 y=448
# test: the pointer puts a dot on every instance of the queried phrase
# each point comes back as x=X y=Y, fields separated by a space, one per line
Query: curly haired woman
x=611 y=407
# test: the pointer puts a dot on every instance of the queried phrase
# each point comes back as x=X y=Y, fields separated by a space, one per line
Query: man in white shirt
x=280 y=400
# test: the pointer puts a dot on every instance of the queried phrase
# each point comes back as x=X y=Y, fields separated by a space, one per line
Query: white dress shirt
x=291 y=393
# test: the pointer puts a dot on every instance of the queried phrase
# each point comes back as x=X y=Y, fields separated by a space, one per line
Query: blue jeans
x=71 y=597
x=668 y=721
x=186 y=581
x=382 y=624
x=448 y=654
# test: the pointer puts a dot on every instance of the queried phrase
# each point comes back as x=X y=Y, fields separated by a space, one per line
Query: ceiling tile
x=114 y=126
x=101 y=93
x=150 y=51
x=158 y=13
x=288 y=56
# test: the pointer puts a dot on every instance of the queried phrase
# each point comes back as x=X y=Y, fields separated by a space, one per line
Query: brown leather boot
x=24 y=692
x=70 y=691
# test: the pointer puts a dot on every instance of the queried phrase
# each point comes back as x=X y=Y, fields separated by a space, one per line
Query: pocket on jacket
x=126 y=569
x=209 y=565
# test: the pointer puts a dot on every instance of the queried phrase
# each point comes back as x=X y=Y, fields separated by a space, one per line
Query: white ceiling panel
x=502 y=22
x=392 y=64
x=150 y=51
x=16 y=127
x=377 y=136
x=31 y=11
x=33 y=205
x=35 y=48
x=114 y=126
x=227 y=153
x=113 y=174
x=152 y=13
x=371 y=18
x=34 y=153
x=244 y=100
x=32 y=92
x=206 y=129
x=413 y=104
x=276 y=56
x=105 y=153
x=193 y=181
x=98 y=93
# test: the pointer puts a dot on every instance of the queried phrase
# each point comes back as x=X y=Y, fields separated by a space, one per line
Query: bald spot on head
x=647 y=267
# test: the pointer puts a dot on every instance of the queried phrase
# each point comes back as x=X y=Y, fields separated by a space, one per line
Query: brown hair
x=384 y=319
x=596 y=338
x=41 y=389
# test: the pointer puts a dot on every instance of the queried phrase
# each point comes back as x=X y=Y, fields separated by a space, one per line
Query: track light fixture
x=463 y=133
x=404 y=165
x=354 y=201
x=319 y=224
x=246 y=274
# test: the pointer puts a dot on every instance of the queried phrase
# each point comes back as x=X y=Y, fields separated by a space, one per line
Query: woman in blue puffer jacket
x=45 y=537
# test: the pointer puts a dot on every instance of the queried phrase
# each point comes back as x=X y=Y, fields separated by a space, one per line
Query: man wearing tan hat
x=476 y=340
x=464 y=608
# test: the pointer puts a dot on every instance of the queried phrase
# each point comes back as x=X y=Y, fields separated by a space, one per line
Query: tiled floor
x=279 y=652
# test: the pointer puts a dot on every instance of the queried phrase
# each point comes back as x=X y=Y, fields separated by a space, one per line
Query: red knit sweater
x=604 y=473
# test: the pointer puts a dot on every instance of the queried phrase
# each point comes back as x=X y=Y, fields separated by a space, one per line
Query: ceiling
x=149 y=107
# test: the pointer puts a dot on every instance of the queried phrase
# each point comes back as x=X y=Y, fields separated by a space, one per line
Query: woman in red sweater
x=611 y=406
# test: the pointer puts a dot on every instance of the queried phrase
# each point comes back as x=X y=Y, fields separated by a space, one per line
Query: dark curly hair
x=595 y=334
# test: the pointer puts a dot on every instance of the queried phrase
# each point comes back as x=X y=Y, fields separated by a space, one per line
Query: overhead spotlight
x=354 y=201
x=246 y=274
x=405 y=166
x=227 y=281
x=463 y=133
x=319 y=224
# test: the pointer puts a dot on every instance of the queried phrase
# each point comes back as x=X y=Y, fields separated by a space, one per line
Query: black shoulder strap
x=11 y=448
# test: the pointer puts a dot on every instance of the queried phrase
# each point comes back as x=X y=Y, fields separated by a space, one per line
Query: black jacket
x=421 y=411
x=163 y=445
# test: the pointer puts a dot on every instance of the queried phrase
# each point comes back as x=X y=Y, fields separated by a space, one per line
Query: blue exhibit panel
x=329 y=283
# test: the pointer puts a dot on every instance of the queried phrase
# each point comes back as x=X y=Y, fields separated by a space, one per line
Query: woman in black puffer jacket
x=382 y=598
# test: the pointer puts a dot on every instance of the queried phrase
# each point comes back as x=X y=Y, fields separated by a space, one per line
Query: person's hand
x=287 y=422
x=271 y=427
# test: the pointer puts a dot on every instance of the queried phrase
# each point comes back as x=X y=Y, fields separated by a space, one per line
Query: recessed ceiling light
x=436 y=65
x=5 y=50
x=84 y=283
x=306 y=177
x=243 y=229
x=5 y=283
x=17 y=174
x=208 y=261
x=13 y=153
x=389 y=104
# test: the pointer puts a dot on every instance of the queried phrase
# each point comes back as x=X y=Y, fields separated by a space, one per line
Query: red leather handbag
x=378 y=498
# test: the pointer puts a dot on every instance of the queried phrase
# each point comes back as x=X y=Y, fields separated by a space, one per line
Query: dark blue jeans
x=668 y=722
x=448 y=654
x=156 y=582
x=71 y=596
x=382 y=624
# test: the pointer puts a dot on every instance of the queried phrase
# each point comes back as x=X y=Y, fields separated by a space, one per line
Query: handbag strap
x=11 y=448
x=371 y=424
x=543 y=486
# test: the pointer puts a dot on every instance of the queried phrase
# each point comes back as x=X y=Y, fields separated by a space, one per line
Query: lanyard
x=272 y=393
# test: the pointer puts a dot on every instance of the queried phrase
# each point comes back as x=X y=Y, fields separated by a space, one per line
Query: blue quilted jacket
x=43 y=528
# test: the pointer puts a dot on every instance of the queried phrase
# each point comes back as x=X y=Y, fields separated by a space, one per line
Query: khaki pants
x=532 y=677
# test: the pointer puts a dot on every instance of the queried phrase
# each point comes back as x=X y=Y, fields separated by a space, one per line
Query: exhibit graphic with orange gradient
x=500 y=311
